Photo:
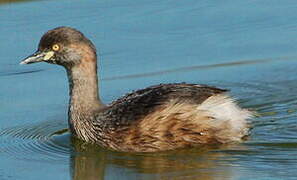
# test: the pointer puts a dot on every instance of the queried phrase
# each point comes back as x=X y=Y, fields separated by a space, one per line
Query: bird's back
x=138 y=104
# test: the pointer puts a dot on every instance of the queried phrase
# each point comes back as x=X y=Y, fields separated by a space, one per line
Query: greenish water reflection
x=92 y=162
x=12 y=1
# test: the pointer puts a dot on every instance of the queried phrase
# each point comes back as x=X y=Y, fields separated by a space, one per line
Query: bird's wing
x=136 y=105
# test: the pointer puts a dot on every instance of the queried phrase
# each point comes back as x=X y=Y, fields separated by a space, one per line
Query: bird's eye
x=56 y=47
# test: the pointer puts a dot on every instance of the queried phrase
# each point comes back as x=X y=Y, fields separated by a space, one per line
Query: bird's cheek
x=48 y=55
x=53 y=59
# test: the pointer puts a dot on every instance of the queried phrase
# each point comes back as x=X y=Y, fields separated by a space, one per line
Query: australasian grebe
x=158 y=118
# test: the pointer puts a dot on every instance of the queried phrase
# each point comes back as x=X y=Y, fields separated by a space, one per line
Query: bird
x=157 y=118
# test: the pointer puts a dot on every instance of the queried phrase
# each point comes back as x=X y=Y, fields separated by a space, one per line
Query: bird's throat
x=83 y=91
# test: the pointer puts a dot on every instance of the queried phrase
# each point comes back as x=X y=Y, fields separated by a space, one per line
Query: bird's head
x=63 y=46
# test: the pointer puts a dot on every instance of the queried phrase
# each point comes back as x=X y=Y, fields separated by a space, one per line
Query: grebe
x=157 y=118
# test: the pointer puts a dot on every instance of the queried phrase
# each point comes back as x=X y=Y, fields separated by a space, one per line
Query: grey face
x=59 y=46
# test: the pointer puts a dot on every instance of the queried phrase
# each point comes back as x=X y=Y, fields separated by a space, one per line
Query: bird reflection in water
x=92 y=162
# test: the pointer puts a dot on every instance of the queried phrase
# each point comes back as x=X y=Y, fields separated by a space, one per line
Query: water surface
x=248 y=47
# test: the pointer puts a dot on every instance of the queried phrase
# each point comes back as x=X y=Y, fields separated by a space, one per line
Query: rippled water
x=246 y=46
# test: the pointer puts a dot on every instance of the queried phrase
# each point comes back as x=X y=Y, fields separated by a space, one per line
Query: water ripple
x=47 y=141
x=200 y=67
x=20 y=72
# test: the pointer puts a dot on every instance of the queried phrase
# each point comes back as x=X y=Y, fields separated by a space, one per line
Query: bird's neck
x=84 y=97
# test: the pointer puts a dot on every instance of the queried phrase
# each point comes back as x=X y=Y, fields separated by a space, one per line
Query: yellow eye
x=56 y=47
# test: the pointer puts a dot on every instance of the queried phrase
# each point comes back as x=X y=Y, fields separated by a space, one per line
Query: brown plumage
x=157 y=118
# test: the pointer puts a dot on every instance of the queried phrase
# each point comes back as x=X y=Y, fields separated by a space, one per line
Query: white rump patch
x=228 y=114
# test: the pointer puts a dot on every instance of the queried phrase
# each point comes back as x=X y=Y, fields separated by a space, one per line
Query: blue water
x=249 y=47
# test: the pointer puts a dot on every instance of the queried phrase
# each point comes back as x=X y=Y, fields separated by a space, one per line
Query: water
x=246 y=46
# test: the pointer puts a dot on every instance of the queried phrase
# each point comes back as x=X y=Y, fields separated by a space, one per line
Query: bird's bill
x=38 y=57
